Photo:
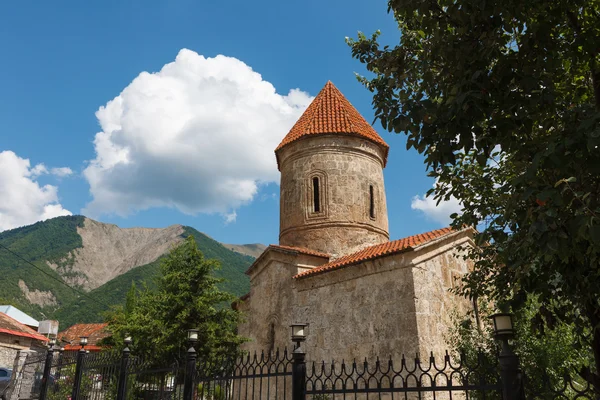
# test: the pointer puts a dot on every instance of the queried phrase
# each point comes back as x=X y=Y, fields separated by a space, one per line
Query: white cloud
x=23 y=200
x=39 y=169
x=61 y=172
x=198 y=136
x=439 y=213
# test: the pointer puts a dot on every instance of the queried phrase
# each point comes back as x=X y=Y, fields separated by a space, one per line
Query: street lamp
x=503 y=326
x=51 y=343
x=83 y=340
x=192 y=336
x=510 y=371
x=298 y=333
x=127 y=340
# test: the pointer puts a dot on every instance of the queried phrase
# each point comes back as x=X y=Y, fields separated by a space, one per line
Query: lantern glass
x=51 y=342
x=193 y=335
x=83 y=340
x=298 y=331
x=503 y=324
x=127 y=340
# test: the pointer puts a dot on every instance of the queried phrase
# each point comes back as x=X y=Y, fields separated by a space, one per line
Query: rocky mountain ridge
x=101 y=259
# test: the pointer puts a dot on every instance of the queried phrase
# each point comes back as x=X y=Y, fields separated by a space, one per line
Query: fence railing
x=284 y=375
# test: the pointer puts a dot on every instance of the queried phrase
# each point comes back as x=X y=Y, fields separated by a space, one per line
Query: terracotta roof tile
x=331 y=113
x=94 y=332
x=379 y=250
x=13 y=327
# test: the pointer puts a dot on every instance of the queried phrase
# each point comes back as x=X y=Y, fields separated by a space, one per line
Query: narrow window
x=316 y=197
x=371 y=202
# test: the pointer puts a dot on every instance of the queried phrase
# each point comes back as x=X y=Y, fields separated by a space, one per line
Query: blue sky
x=62 y=61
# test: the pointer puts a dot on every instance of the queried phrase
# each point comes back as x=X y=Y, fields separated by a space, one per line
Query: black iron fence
x=404 y=378
x=286 y=375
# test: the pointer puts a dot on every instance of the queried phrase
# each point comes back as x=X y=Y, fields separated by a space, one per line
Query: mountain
x=100 y=261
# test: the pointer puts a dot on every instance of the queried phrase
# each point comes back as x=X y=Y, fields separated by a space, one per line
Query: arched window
x=316 y=195
x=371 y=202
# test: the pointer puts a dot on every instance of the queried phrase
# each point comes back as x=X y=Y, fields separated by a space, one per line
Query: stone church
x=335 y=267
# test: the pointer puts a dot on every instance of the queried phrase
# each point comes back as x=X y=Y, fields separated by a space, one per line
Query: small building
x=20 y=316
x=16 y=336
x=94 y=332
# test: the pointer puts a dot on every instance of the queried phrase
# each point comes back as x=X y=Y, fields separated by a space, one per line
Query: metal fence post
x=78 y=373
x=47 y=368
x=190 y=374
x=510 y=374
x=298 y=374
x=122 y=386
x=58 y=368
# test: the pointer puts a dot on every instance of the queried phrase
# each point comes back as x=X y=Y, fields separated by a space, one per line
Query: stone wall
x=346 y=168
x=10 y=346
x=364 y=310
x=394 y=305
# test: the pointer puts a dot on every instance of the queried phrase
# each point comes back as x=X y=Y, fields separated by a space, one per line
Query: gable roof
x=331 y=113
x=286 y=249
x=11 y=326
x=378 y=250
x=94 y=332
x=19 y=315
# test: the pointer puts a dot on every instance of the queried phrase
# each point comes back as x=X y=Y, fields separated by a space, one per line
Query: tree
x=186 y=297
x=503 y=99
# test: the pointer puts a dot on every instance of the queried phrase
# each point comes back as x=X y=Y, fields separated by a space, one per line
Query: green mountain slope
x=84 y=309
x=56 y=240
x=44 y=241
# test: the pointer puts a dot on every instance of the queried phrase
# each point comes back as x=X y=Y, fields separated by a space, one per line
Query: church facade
x=335 y=268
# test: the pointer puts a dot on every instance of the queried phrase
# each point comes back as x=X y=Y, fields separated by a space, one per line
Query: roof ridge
x=379 y=250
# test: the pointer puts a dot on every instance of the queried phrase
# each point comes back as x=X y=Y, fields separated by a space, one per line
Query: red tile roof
x=13 y=327
x=331 y=113
x=94 y=332
x=379 y=250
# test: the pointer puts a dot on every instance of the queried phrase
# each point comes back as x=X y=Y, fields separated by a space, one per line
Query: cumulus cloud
x=61 y=172
x=198 y=136
x=24 y=201
x=439 y=213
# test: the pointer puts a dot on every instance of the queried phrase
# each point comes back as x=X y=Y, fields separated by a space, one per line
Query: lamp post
x=190 y=369
x=299 y=361
x=122 y=387
x=510 y=372
x=47 y=368
x=83 y=340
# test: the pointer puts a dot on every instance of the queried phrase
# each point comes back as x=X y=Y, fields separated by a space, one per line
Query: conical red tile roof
x=331 y=113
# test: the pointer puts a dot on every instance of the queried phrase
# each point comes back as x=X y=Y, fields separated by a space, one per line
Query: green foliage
x=49 y=240
x=210 y=392
x=503 y=99
x=546 y=357
x=186 y=296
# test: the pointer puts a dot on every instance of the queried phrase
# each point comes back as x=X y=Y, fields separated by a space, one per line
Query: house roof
x=19 y=315
x=331 y=113
x=13 y=327
x=94 y=332
x=379 y=250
